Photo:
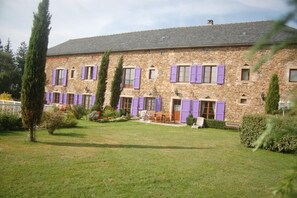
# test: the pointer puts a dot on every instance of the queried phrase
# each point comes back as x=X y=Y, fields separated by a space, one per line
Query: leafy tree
x=21 y=57
x=101 y=86
x=273 y=96
x=116 y=85
x=33 y=79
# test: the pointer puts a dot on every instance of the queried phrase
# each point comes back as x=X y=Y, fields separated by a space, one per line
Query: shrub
x=271 y=104
x=5 y=96
x=217 y=124
x=190 y=120
x=9 y=121
x=69 y=120
x=94 y=115
x=52 y=120
x=251 y=129
x=79 y=111
x=109 y=113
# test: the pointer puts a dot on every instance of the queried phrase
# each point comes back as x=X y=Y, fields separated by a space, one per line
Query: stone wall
x=234 y=59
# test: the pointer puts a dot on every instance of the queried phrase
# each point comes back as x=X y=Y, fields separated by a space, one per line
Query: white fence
x=15 y=106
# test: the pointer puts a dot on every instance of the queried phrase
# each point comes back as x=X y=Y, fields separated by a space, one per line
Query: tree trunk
x=32 y=137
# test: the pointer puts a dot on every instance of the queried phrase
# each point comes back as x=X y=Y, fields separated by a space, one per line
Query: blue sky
x=84 y=18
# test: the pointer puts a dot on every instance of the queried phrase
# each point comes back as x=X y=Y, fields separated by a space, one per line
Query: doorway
x=176 y=106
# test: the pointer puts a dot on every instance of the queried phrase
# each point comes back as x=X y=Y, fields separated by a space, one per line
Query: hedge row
x=9 y=121
x=282 y=137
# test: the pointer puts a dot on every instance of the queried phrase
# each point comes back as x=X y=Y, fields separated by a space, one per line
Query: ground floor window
x=126 y=105
x=293 y=75
x=56 y=97
x=70 y=99
x=86 y=101
x=150 y=104
x=208 y=109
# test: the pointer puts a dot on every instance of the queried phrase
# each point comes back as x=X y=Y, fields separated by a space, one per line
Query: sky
x=73 y=19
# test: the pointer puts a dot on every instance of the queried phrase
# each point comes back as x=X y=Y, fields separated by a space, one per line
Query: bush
x=109 y=113
x=69 y=120
x=217 y=124
x=190 y=120
x=52 y=120
x=94 y=115
x=79 y=111
x=251 y=129
x=9 y=121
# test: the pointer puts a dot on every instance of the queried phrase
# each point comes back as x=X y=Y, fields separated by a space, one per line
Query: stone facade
x=240 y=97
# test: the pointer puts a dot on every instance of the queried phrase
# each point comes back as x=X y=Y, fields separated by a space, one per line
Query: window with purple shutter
x=61 y=98
x=94 y=77
x=195 y=108
x=119 y=103
x=54 y=77
x=64 y=82
x=65 y=98
x=52 y=97
x=199 y=74
x=185 y=110
x=158 y=104
x=80 y=96
x=75 y=99
x=137 y=78
x=83 y=72
x=141 y=103
x=134 y=107
x=47 y=97
x=173 y=73
x=220 y=111
x=193 y=75
x=220 y=74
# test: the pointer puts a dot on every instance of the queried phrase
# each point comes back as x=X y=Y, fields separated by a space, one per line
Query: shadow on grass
x=8 y=133
x=70 y=134
x=121 y=146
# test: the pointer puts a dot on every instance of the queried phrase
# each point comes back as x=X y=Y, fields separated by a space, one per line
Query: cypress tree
x=116 y=84
x=101 y=86
x=273 y=96
x=33 y=79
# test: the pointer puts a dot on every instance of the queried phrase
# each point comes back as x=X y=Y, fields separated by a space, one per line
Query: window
x=70 y=99
x=86 y=102
x=293 y=75
x=152 y=74
x=89 y=72
x=128 y=78
x=126 y=105
x=56 y=97
x=72 y=73
x=209 y=74
x=243 y=101
x=150 y=104
x=208 y=109
x=245 y=74
x=183 y=74
x=59 y=76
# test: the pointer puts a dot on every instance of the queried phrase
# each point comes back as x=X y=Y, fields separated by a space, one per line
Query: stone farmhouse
x=201 y=70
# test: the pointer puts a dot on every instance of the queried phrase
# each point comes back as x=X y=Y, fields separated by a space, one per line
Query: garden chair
x=198 y=123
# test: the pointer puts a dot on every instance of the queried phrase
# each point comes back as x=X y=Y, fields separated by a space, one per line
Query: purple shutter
x=137 y=78
x=95 y=68
x=199 y=74
x=52 y=97
x=119 y=103
x=141 y=103
x=220 y=74
x=83 y=72
x=173 y=73
x=54 y=77
x=92 y=100
x=80 y=96
x=65 y=98
x=64 y=82
x=47 y=97
x=158 y=101
x=195 y=108
x=75 y=99
x=61 y=98
x=185 y=110
x=134 y=107
x=220 y=111
x=193 y=75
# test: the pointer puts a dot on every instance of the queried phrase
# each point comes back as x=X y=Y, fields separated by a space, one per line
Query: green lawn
x=132 y=159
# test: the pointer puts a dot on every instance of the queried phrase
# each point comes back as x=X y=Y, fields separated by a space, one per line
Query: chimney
x=210 y=22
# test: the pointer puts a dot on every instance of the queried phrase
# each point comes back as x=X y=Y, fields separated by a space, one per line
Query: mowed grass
x=132 y=159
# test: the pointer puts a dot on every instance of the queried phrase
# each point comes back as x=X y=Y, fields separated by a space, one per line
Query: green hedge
x=251 y=129
x=10 y=121
x=217 y=124
x=282 y=137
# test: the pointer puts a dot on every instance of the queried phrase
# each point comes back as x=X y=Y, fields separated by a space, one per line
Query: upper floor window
x=152 y=74
x=209 y=74
x=293 y=75
x=72 y=72
x=245 y=74
x=59 y=76
x=183 y=74
x=89 y=72
x=129 y=74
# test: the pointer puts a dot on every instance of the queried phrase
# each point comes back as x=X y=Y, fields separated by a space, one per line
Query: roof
x=235 y=34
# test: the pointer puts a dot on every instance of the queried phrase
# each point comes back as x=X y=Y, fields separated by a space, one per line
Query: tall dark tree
x=101 y=86
x=116 y=84
x=33 y=80
x=20 y=57
x=273 y=96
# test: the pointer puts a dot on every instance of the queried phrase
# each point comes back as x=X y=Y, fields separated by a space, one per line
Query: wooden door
x=176 y=106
